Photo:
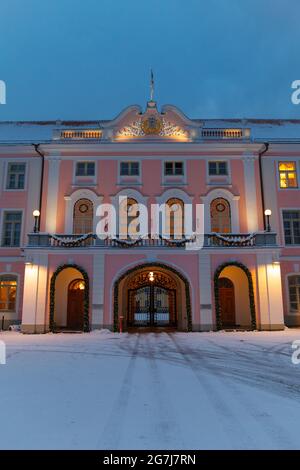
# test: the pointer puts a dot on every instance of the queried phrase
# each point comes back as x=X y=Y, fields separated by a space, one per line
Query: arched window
x=8 y=293
x=175 y=218
x=294 y=293
x=83 y=217
x=220 y=216
x=129 y=217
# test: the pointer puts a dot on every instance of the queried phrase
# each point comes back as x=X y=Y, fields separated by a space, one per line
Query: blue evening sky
x=88 y=59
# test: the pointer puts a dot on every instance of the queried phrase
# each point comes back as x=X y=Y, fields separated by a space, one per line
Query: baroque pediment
x=168 y=124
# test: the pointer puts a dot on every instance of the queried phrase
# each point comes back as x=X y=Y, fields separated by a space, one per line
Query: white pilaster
x=34 y=166
x=98 y=290
x=250 y=191
x=35 y=294
x=206 y=317
x=69 y=215
x=52 y=194
x=269 y=293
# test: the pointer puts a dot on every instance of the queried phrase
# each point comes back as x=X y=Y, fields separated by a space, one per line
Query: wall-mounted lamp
x=268 y=212
x=36 y=214
x=28 y=262
x=151 y=276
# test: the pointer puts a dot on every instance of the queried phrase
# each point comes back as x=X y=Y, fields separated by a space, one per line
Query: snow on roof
x=42 y=131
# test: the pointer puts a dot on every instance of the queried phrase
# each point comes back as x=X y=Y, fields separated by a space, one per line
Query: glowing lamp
x=36 y=214
x=268 y=212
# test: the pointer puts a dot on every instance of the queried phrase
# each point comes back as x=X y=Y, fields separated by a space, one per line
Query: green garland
x=86 y=321
x=217 y=296
x=148 y=265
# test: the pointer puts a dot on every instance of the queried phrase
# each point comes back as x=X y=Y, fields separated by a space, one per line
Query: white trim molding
x=234 y=208
x=71 y=200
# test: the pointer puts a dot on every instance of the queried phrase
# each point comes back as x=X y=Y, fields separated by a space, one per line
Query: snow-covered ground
x=150 y=391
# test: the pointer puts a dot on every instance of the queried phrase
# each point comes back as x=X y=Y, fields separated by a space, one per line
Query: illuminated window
x=287 y=175
x=291 y=225
x=130 y=169
x=11 y=233
x=217 y=168
x=173 y=168
x=294 y=293
x=8 y=293
x=85 y=169
x=220 y=216
x=16 y=176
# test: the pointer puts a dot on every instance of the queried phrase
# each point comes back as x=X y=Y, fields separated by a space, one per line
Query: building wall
x=242 y=188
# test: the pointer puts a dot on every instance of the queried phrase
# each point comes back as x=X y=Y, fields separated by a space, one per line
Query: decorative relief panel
x=152 y=125
x=158 y=278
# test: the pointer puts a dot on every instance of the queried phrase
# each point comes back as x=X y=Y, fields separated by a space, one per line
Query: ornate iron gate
x=152 y=306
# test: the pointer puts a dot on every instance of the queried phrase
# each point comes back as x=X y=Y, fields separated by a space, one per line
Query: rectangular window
x=85 y=169
x=8 y=293
x=130 y=169
x=217 y=168
x=11 y=234
x=173 y=168
x=16 y=176
x=294 y=293
x=287 y=175
x=291 y=225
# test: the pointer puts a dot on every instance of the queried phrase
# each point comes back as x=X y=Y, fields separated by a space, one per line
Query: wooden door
x=220 y=216
x=75 y=310
x=83 y=217
x=227 y=301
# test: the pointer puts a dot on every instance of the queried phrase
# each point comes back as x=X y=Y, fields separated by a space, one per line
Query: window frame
x=13 y=276
x=129 y=163
x=279 y=172
x=283 y=210
x=86 y=163
x=217 y=163
x=288 y=277
x=173 y=163
x=7 y=165
x=5 y=211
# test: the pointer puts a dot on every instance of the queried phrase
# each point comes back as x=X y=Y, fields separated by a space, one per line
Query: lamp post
x=36 y=215
x=268 y=212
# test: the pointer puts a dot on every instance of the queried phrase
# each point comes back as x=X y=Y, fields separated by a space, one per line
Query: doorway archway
x=150 y=295
x=235 y=307
x=65 y=277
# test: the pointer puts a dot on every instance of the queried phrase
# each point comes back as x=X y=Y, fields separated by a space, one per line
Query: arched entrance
x=234 y=297
x=152 y=299
x=152 y=295
x=69 y=299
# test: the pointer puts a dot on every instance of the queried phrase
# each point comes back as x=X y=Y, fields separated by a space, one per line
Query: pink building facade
x=57 y=274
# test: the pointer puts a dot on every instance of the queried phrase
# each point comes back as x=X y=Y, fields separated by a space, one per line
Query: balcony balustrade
x=211 y=240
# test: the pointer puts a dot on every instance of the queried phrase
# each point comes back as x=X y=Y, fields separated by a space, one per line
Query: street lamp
x=268 y=212
x=36 y=214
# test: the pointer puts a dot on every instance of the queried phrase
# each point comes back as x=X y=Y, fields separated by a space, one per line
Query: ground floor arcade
x=187 y=291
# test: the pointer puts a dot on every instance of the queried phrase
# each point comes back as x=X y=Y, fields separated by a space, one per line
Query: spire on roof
x=151 y=85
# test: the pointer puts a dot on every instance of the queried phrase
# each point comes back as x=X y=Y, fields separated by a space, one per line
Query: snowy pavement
x=150 y=391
